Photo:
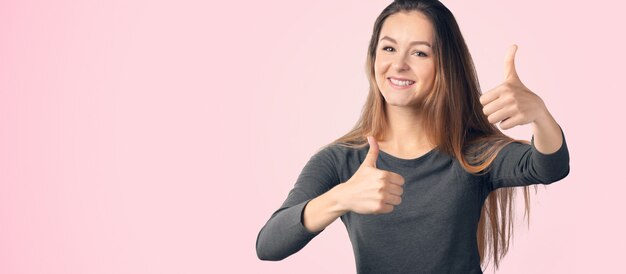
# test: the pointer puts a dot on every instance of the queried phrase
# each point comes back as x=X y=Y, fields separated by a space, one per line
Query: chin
x=400 y=101
x=397 y=102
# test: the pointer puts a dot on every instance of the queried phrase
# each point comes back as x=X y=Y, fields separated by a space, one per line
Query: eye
x=419 y=53
x=390 y=49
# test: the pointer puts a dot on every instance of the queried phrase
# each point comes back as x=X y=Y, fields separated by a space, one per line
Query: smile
x=398 y=84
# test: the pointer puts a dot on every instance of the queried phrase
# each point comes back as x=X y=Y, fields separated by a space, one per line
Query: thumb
x=372 y=153
x=509 y=63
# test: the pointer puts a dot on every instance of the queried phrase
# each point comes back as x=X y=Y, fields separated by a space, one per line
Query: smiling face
x=405 y=65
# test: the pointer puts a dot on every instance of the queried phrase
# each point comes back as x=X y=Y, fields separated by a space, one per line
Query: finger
x=384 y=208
x=395 y=178
x=494 y=106
x=509 y=63
x=372 y=153
x=395 y=189
x=512 y=121
x=392 y=199
x=490 y=96
x=500 y=115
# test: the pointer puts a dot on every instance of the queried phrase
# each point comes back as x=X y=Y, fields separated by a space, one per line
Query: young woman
x=425 y=181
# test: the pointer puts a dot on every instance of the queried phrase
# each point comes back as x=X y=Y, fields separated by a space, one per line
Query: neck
x=405 y=130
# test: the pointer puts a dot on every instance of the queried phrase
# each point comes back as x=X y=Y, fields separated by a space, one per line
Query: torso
x=405 y=154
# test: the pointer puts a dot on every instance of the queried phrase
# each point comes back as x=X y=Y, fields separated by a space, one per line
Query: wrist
x=544 y=119
x=338 y=202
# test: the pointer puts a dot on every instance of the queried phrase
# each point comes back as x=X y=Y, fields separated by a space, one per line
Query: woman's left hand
x=512 y=103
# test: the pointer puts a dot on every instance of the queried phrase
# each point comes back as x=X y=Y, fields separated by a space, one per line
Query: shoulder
x=514 y=147
x=338 y=151
x=340 y=154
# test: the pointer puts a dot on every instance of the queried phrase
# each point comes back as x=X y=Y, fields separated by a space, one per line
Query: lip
x=399 y=87
x=401 y=79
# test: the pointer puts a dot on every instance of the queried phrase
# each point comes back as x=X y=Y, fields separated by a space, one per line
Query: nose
x=399 y=63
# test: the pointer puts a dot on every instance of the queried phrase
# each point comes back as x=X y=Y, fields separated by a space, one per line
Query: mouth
x=400 y=84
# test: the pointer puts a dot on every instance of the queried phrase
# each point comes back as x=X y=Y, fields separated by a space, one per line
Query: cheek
x=428 y=73
x=431 y=80
x=378 y=77
x=378 y=71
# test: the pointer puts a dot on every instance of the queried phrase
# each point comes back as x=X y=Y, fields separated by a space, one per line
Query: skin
x=405 y=137
x=374 y=191
x=510 y=104
x=371 y=190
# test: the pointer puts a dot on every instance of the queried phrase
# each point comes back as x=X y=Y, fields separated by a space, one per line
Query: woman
x=425 y=180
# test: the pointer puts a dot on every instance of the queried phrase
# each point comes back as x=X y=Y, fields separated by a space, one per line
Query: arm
x=322 y=211
x=519 y=164
x=546 y=159
x=547 y=134
x=284 y=233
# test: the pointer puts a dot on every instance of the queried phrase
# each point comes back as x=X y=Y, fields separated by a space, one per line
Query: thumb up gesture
x=371 y=190
x=511 y=103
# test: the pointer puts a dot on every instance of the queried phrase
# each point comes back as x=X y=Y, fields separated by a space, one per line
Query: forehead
x=406 y=26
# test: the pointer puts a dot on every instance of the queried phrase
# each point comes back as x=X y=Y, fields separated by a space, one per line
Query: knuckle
x=509 y=98
x=381 y=187
x=380 y=207
x=380 y=175
x=384 y=175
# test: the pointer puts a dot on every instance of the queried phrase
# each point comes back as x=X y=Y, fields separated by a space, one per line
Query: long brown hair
x=453 y=119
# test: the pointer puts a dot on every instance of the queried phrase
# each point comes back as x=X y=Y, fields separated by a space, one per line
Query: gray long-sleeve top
x=433 y=230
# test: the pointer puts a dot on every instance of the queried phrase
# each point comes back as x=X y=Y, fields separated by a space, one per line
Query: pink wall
x=156 y=137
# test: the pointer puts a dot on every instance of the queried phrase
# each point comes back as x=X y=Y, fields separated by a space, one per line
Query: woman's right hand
x=371 y=190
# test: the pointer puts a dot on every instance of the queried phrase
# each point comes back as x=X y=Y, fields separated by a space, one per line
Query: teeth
x=401 y=83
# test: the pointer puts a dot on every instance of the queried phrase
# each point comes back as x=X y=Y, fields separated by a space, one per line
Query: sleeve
x=519 y=164
x=284 y=233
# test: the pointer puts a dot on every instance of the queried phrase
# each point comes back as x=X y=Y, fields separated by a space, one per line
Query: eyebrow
x=412 y=43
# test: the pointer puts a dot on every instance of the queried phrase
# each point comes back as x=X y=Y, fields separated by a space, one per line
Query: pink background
x=159 y=137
